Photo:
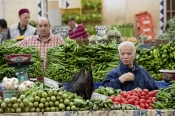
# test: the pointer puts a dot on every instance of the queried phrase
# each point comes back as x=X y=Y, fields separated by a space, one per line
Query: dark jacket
x=142 y=78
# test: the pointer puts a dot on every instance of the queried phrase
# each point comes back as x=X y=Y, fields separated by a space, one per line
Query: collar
x=76 y=25
x=39 y=39
x=128 y=69
x=20 y=28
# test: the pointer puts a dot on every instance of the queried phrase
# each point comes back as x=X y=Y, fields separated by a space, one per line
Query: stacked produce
x=137 y=97
x=33 y=23
x=6 y=71
x=90 y=29
x=76 y=17
x=66 y=60
x=91 y=16
x=169 y=30
x=155 y=59
x=108 y=91
x=165 y=98
x=91 y=4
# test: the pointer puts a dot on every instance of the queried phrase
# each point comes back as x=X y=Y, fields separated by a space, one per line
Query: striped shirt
x=52 y=41
x=79 y=32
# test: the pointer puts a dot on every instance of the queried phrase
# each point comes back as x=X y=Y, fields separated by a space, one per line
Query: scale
x=21 y=63
x=168 y=75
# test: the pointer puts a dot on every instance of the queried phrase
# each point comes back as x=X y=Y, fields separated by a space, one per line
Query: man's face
x=24 y=18
x=44 y=28
x=71 y=24
x=127 y=55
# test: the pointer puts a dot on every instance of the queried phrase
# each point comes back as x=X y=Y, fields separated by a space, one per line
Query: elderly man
x=129 y=75
x=44 y=40
x=22 y=29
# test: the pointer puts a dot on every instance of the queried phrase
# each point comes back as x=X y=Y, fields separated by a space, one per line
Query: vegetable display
x=108 y=91
x=156 y=59
x=165 y=98
x=66 y=16
x=66 y=60
x=137 y=97
x=6 y=71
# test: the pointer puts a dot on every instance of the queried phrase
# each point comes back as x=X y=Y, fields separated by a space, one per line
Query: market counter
x=100 y=113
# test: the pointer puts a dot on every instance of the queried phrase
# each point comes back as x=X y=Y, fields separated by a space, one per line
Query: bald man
x=44 y=40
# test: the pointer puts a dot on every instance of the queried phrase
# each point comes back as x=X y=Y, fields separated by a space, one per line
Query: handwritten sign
x=61 y=30
x=101 y=29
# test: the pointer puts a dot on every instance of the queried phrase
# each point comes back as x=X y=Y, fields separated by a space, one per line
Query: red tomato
x=116 y=103
x=154 y=99
x=135 y=97
x=129 y=92
x=137 y=106
x=134 y=90
x=126 y=102
x=150 y=107
x=150 y=98
x=142 y=101
x=134 y=93
x=152 y=93
x=123 y=94
x=139 y=91
x=143 y=94
x=142 y=105
x=142 y=97
x=148 y=101
x=131 y=101
x=123 y=99
x=118 y=99
x=128 y=97
x=146 y=105
x=136 y=103
x=145 y=90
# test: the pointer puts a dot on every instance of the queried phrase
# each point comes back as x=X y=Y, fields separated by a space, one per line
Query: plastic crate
x=9 y=93
x=147 y=46
x=126 y=31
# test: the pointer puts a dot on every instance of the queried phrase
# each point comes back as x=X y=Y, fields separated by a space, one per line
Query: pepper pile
x=108 y=91
x=165 y=98
x=66 y=60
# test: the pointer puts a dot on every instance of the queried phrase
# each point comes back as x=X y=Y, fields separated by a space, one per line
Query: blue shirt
x=142 y=78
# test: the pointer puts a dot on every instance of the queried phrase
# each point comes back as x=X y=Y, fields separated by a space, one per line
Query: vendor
x=22 y=29
x=76 y=31
x=129 y=75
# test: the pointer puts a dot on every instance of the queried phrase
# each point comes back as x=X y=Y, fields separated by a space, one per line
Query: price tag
x=50 y=83
x=101 y=29
x=61 y=30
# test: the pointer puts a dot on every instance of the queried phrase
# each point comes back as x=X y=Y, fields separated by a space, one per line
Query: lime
x=61 y=106
x=26 y=109
x=37 y=109
x=48 y=99
x=64 y=96
x=51 y=104
x=21 y=105
x=12 y=110
x=32 y=99
x=52 y=109
x=39 y=93
x=56 y=103
x=35 y=104
x=26 y=102
x=41 y=105
x=44 y=95
x=58 y=97
x=1 y=101
x=13 y=100
x=73 y=108
x=55 y=93
x=60 y=93
x=56 y=109
x=32 y=109
x=50 y=93
x=66 y=102
x=34 y=94
x=30 y=104
x=70 y=104
x=9 y=105
x=68 y=108
x=46 y=104
x=22 y=97
x=18 y=110
x=1 y=110
x=47 y=109
x=19 y=100
x=15 y=105
x=7 y=100
x=37 y=98
x=53 y=98
x=42 y=100
x=7 y=110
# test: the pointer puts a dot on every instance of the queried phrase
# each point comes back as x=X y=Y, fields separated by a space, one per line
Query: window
x=170 y=9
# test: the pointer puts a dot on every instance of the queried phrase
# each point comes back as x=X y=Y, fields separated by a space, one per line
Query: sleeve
x=111 y=80
x=150 y=81
x=22 y=43
x=85 y=34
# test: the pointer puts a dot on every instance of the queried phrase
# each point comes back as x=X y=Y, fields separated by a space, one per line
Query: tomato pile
x=137 y=97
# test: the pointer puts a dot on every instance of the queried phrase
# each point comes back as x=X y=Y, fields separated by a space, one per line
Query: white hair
x=127 y=43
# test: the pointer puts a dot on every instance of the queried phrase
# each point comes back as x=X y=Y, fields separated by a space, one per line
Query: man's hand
x=126 y=77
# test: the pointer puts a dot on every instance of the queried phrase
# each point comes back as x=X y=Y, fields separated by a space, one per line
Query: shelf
x=92 y=21
x=90 y=8
x=70 y=8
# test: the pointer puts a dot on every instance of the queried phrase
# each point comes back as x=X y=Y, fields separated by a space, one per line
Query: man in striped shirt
x=76 y=31
x=43 y=41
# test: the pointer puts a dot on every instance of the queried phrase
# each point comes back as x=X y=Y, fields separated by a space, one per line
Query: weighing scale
x=168 y=75
x=21 y=63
